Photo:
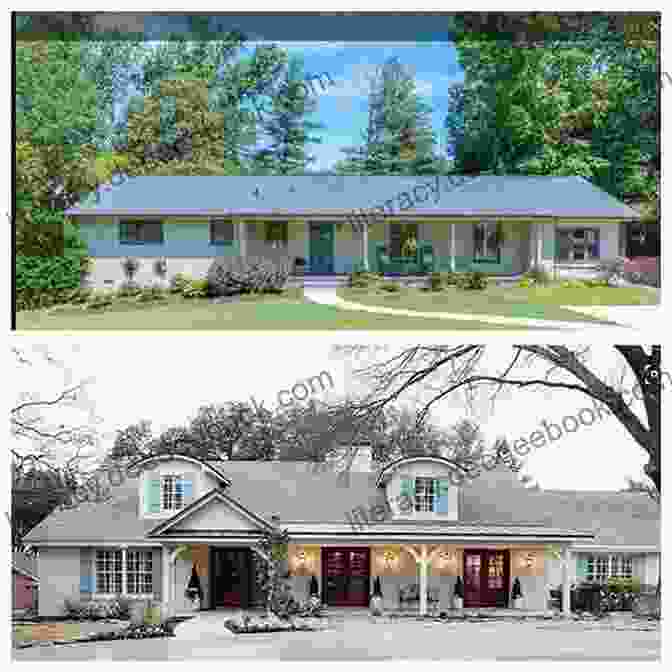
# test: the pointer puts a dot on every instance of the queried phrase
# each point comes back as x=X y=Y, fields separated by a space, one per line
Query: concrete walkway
x=328 y=296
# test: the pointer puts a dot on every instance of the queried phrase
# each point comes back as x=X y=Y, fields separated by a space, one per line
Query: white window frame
x=171 y=478
x=426 y=496
x=113 y=554
x=576 y=243
x=123 y=572
x=139 y=564
x=603 y=566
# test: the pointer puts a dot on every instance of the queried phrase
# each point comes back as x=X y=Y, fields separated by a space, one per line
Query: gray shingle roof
x=294 y=492
x=513 y=195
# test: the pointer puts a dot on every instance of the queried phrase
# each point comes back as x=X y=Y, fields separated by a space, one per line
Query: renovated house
x=321 y=224
x=406 y=522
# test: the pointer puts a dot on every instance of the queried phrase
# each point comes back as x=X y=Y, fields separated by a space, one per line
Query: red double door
x=346 y=576
x=486 y=578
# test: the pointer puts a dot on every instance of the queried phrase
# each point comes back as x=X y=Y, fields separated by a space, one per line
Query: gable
x=216 y=515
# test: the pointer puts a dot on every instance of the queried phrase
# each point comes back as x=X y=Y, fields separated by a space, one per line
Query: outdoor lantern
x=530 y=560
x=390 y=559
x=301 y=559
x=447 y=558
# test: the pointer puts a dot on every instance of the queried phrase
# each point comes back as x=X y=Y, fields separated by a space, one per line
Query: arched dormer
x=421 y=488
x=170 y=482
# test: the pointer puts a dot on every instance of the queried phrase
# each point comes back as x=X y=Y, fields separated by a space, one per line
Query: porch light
x=301 y=559
x=447 y=558
x=530 y=560
x=390 y=559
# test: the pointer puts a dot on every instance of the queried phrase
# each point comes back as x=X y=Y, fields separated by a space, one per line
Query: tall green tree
x=287 y=124
x=398 y=139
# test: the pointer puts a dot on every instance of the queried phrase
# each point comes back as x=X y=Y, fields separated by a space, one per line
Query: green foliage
x=476 y=280
x=151 y=294
x=363 y=279
x=399 y=138
x=196 y=289
x=178 y=282
x=129 y=289
x=390 y=287
x=586 y=107
x=439 y=280
x=100 y=300
x=237 y=275
x=538 y=276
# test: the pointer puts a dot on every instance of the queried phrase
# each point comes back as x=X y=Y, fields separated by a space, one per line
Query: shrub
x=573 y=284
x=100 y=299
x=473 y=280
x=178 y=282
x=238 y=275
x=196 y=289
x=363 y=279
x=129 y=289
x=538 y=275
x=435 y=282
x=610 y=267
x=149 y=294
x=525 y=283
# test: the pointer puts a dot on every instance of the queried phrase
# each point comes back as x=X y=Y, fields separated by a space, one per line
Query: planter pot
x=196 y=604
x=376 y=605
x=458 y=602
x=517 y=603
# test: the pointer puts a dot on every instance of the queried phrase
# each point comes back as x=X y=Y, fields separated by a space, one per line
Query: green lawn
x=285 y=312
x=534 y=302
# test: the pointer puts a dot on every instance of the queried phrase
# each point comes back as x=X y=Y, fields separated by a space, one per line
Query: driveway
x=359 y=638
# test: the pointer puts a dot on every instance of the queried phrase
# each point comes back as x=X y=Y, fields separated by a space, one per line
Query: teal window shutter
x=407 y=487
x=153 y=495
x=441 y=496
x=87 y=583
x=581 y=567
x=187 y=490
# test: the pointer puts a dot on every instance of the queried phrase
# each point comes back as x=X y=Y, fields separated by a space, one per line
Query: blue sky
x=342 y=108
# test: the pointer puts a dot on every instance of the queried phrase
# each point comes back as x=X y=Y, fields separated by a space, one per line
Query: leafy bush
x=153 y=293
x=196 y=289
x=363 y=279
x=610 y=267
x=92 y=610
x=525 y=283
x=473 y=280
x=100 y=299
x=435 y=281
x=178 y=282
x=238 y=275
x=129 y=289
x=573 y=284
x=390 y=286
x=596 y=282
x=538 y=275
x=45 y=298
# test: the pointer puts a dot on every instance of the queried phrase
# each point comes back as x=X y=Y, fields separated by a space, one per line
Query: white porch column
x=124 y=570
x=452 y=247
x=242 y=238
x=424 y=560
x=540 y=242
x=165 y=576
x=566 y=581
x=365 y=246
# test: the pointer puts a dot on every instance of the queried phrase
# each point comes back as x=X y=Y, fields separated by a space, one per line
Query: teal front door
x=321 y=247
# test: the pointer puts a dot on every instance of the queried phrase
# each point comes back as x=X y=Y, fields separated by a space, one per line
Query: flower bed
x=247 y=624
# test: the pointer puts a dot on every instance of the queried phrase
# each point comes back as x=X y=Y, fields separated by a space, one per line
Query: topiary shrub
x=196 y=289
x=476 y=280
x=244 y=275
x=178 y=282
x=363 y=279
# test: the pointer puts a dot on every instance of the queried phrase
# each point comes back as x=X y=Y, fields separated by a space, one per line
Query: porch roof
x=448 y=196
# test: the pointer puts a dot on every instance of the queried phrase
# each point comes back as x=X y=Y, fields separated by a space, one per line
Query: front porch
x=416 y=579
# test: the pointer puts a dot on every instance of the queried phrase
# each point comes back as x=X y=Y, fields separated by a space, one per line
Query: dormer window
x=428 y=495
x=172 y=493
x=424 y=494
